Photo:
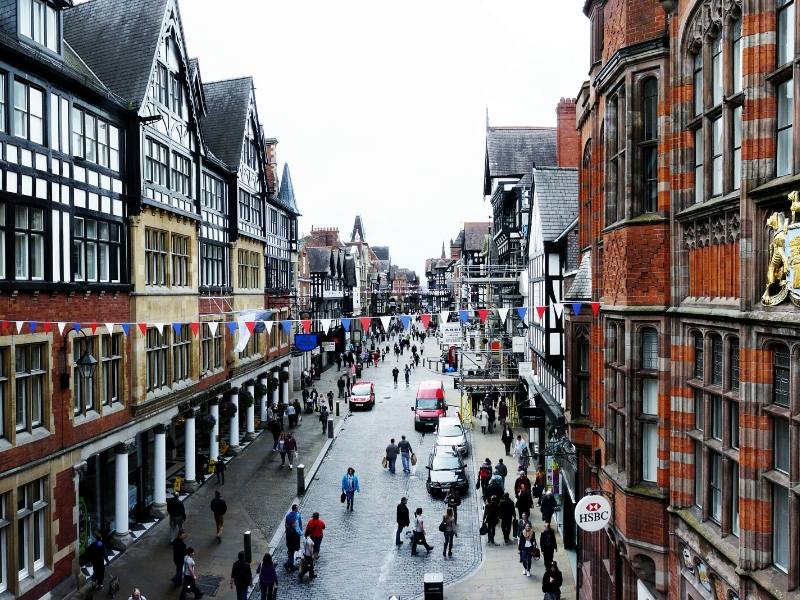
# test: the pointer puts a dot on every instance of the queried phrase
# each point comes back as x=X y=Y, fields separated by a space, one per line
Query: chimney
x=568 y=149
x=271 y=168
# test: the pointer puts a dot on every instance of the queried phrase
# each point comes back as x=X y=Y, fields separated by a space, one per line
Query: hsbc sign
x=592 y=513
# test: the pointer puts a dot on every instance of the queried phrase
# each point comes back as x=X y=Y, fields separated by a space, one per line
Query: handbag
x=442 y=526
x=343 y=497
x=413 y=459
x=385 y=462
x=484 y=528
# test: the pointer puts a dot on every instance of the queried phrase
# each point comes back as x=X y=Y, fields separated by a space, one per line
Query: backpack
x=484 y=473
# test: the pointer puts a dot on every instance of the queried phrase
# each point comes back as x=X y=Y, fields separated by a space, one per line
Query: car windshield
x=450 y=431
x=446 y=463
x=361 y=390
x=427 y=404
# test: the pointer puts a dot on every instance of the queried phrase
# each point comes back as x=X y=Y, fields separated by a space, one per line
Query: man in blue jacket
x=293 y=523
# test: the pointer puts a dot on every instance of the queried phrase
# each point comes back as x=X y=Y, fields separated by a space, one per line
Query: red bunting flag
x=93 y=327
x=143 y=328
x=540 y=310
x=425 y=318
x=195 y=327
x=4 y=327
x=483 y=313
x=595 y=308
x=306 y=323
x=46 y=327
x=365 y=322
x=251 y=326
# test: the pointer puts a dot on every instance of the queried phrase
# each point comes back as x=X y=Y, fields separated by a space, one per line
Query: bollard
x=337 y=408
x=330 y=428
x=248 y=548
x=301 y=480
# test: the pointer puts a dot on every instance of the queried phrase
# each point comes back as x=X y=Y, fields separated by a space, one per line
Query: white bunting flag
x=385 y=322
x=109 y=327
x=558 y=309
x=61 y=326
x=267 y=327
x=160 y=327
x=326 y=324
x=243 y=336
x=503 y=312
x=443 y=316
x=20 y=325
x=212 y=327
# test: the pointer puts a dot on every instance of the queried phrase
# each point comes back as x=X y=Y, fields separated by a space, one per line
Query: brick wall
x=568 y=151
x=636 y=266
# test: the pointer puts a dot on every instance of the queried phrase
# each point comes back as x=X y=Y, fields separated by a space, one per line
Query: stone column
x=78 y=471
x=159 y=508
x=234 y=433
x=273 y=395
x=250 y=423
x=285 y=385
x=189 y=453
x=213 y=442
x=262 y=405
x=122 y=536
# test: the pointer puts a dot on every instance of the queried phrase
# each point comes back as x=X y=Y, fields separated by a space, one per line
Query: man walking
x=395 y=375
x=405 y=453
x=307 y=562
x=293 y=525
x=177 y=515
x=507 y=514
x=241 y=577
x=548 y=544
x=419 y=533
x=290 y=447
x=340 y=385
x=391 y=455
x=189 y=576
x=551 y=582
x=178 y=554
x=219 y=507
x=403 y=520
x=219 y=470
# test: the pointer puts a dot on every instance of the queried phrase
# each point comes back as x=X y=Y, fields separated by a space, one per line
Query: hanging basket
x=245 y=399
x=284 y=377
x=227 y=410
x=205 y=423
x=260 y=390
x=272 y=384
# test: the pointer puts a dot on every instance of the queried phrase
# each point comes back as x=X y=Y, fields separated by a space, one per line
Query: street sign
x=329 y=346
x=592 y=512
x=518 y=344
x=450 y=334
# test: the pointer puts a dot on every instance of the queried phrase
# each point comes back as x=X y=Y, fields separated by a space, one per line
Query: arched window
x=615 y=173
x=648 y=146
x=586 y=196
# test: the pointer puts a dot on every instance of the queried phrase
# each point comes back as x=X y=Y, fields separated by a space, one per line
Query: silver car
x=449 y=432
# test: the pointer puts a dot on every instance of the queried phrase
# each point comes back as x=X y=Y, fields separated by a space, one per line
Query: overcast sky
x=379 y=106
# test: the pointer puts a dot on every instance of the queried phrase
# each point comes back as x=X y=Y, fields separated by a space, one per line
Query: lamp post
x=86 y=363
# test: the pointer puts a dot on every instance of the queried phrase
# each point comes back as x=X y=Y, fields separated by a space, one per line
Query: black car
x=446 y=470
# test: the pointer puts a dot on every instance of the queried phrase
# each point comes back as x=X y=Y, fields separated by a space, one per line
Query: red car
x=362 y=394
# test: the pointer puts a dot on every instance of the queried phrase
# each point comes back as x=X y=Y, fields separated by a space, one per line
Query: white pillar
x=213 y=443
x=262 y=406
x=273 y=395
x=234 y=433
x=250 y=428
x=285 y=386
x=189 y=451
x=160 y=471
x=122 y=536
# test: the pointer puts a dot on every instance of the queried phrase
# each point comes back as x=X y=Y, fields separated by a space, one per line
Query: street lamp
x=86 y=364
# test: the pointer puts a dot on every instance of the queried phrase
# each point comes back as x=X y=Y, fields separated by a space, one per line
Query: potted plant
x=260 y=390
x=245 y=398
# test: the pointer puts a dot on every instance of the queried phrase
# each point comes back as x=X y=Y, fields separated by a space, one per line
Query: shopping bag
x=343 y=497
x=413 y=458
x=385 y=462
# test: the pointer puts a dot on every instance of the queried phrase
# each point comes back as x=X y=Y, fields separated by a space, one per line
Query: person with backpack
x=241 y=577
x=495 y=487
x=267 y=578
x=219 y=507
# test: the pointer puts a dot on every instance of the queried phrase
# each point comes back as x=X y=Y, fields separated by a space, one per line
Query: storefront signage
x=332 y=294
x=451 y=334
x=518 y=344
x=525 y=368
x=592 y=513
x=329 y=346
x=305 y=341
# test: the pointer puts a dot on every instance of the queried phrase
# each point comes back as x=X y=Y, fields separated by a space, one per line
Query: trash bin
x=433 y=585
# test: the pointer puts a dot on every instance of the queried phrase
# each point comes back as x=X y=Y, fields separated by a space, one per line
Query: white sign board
x=332 y=294
x=525 y=368
x=329 y=346
x=592 y=513
x=450 y=334
x=518 y=344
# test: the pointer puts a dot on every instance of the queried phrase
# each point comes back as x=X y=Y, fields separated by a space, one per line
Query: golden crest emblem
x=783 y=268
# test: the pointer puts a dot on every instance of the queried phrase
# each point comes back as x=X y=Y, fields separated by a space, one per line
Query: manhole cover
x=209 y=584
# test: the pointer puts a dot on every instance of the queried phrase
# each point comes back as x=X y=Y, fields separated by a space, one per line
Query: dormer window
x=39 y=22
x=169 y=84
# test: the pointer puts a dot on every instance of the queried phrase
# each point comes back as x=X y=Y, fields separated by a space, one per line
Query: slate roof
x=459 y=239
x=581 y=288
x=514 y=151
x=285 y=195
x=382 y=252
x=555 y=193
x=319 y=260
x=225 y=122
x=118 y=39
x=474 y=234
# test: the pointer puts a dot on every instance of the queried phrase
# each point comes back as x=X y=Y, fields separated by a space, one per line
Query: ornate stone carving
x=718 y=229
x=708 y=20
x=125 y=447
x=702 y=233
x=688 y=235
x=734 y=226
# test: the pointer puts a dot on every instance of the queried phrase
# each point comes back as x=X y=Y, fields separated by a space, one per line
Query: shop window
x=5 y=534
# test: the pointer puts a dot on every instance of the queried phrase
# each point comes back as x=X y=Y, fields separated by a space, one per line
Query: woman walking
x=350 y=486
x=527 y=543
x=282 y=448
x=448 y=528
x=267 y=578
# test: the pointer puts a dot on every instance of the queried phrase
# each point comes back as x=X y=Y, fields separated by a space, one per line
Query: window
x=615 y=201
x=2 y=101
x=786 y=25
x=734 y=366
x=736 y=55
x=28 y=243
x=162 y=84
x=255 y=269
x=251 y=152
x=648 y=147
x=716 y=360
x=181 y=354
x=2 y=238
x=583 y=375
x=734 y=424
x=716 y=156
x=699 y=410
x=244 y=269
x=180 y=260
x=699 y=181
x=38 y=21
x=698 y=356
x=94 y=139
x=157 y=348
x=780 y=527
x=715 y=408
x=96 y=250
x=780 y=376
x=213 y=272
x=650 y=349
x=181 y=174
x=90 y=138
x=213 y=193
x=780 y=445
x=253 y=347
x=155 y=252
x=597 y=35
x=716 y=71
x=284 y=227
x=28 y=112
x=5 y=532
x=244 y=206
x=29 y=365
x=175 y=94
x=715 y=487
x=735 y=499
x=31 y=527
x=83 y=390
x=737 y=147
x=698 y=474
x=785 y=153
x=111 y=363
x=697 y=77
x=4 y=396
x=211 y=348
x=156 y=163
x=273 y=221
x=649 y=451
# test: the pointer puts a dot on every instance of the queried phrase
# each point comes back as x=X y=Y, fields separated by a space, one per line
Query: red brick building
x=691 y=421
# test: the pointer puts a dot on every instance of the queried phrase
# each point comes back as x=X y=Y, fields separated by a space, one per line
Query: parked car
x=445 y=471
x=449 y=432
x=362 y=394
x=430 y=405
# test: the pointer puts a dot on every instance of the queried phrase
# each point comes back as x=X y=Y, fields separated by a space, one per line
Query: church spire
x=443 y=256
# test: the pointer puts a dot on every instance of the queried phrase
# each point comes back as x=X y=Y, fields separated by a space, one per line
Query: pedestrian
x=453 y=500
x=291 y=449
x=407 y=373
x=403 y=520
x=350 y=486
x=395 y=375
x=491 y=515
x=507 y=514
x=293 y=526
x=178 y=554
x=539 y=482
x=136 y=595
x=522 y=522
x=484 y=476
x=392 y=451
x=200 y=461
x=267 y=578
x=340 y=385
x=189 y=575
x=315 y=397
x=298 y=410
x=348 y=381
x=502 y=414
x=99 y=559
x=282 y=449
x=548 y=506
x=495 y=487
x=323 y=417
x=177 y=515
x=219 y=507
x=501 y=470
x=483 y=419
x=521 y=484
x=524 y=502
x=241 y=577
x=419 y=533
x=339 y=362
x=219 y=470
x=507 y=437
x=315 y=530
x=448 y=529
x=551 y=582
x=522 y=454
x=490 y=416
x=307 y=561
x=405 y=454
x=548 y=544
x=290 y=414
x=526 y=545
x=330 y=400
